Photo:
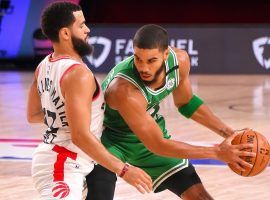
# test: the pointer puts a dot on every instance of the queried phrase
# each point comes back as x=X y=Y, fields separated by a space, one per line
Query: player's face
x=150 y=63
x=79 y=35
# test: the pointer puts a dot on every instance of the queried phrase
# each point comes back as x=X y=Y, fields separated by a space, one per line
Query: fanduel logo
x=260 y=48
x=123 y=48
x=106 y=44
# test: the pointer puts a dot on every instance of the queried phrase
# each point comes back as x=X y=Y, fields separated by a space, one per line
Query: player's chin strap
x=188 y=109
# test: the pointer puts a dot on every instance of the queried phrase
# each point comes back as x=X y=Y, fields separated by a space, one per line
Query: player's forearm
x=172 y=148
x=207 y=118
x=151 y=136
x=34 y=109
x=94 y=149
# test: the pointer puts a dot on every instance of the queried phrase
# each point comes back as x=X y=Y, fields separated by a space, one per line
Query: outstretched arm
x=131 y=104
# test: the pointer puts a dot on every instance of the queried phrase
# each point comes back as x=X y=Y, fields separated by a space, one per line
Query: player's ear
x=64 y=33
x=166 y=54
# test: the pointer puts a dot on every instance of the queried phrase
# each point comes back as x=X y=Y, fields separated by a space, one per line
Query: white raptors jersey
x=49 y=76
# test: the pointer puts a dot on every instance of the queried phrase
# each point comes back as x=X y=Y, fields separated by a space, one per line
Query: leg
x=186 y=184
x=196 y=192
x=58 y=172
x=100 y=184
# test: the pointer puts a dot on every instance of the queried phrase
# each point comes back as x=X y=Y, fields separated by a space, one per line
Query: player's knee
x=196 y=192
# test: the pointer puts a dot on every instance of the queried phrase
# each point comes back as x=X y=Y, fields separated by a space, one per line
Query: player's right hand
x=232 y=153
x=139 y=179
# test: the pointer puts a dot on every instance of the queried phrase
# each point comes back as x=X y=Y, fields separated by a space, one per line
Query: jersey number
x=49 y=120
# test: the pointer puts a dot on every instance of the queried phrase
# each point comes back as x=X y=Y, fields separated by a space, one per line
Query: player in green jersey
x=135 y=132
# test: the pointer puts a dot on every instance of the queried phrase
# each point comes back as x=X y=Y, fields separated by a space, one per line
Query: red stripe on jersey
x=68 y=70
x=63 y=154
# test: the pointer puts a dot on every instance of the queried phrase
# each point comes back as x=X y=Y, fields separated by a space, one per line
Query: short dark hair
x=151 y=36
x=56 y=16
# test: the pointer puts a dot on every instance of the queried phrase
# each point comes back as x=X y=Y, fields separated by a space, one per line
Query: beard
x=158 y=72
x=81 y=46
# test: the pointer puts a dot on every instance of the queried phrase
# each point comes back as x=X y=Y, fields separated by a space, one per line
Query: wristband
x=188 y=109
x=124 y=170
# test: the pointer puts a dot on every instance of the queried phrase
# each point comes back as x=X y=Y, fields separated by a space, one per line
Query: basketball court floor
x=240 y=100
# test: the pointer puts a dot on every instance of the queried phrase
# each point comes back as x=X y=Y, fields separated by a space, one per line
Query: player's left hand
x=139 y=179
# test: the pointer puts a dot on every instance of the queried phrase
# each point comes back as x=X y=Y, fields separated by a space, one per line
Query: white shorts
x=59 y=172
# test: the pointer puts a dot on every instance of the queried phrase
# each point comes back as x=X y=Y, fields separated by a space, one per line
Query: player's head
x=150 y=45
x=64 y=22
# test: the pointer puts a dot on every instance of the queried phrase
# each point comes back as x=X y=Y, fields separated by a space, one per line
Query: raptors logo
x=60 y=190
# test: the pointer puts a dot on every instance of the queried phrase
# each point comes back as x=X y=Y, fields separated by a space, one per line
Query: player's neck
x=67 y=51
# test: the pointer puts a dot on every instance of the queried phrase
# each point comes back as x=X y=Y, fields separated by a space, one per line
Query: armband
x=188 y=109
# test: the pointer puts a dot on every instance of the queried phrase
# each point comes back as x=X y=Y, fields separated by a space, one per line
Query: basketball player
x=67 y=98
x=134 y=130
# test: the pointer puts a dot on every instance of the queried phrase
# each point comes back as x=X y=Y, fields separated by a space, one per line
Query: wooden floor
x=241 y=101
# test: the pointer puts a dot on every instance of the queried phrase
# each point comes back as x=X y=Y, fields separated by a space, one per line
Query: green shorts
x=128 y=148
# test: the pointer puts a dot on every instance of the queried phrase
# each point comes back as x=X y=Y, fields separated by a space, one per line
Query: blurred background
x=221 y=37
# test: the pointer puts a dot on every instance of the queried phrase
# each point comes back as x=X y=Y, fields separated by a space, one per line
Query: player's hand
x=231 y=153
x=139 y=179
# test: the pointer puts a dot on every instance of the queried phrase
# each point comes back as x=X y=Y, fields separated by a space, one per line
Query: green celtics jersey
x=122 y=142
x=127 y=71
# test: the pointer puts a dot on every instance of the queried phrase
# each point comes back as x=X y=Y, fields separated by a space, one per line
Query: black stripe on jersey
x=172 y=69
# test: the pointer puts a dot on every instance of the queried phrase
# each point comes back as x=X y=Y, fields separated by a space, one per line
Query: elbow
x=30 y=119
x=179 y=105
x=34 y=119
x=184 y=101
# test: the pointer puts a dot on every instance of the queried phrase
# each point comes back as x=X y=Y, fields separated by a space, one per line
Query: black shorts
x=180 y=181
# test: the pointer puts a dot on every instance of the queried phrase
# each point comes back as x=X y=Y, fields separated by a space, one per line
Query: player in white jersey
x=67 y=98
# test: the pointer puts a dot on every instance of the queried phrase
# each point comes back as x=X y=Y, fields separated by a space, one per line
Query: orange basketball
x=261 y=147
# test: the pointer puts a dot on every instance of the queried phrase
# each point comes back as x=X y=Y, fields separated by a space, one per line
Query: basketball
x=261 y=148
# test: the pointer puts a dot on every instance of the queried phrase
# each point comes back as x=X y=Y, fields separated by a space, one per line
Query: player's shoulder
x=181 y=55
x=122 y=93
x=122 y=84
x=78 y=73
x=183 y=61
x=121 y=88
